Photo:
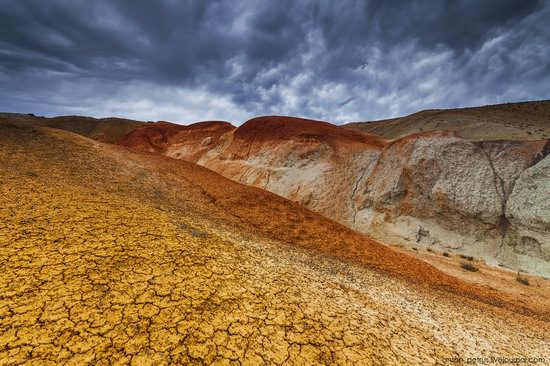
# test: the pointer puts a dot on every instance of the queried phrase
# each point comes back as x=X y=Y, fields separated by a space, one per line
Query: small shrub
x=414 y=248
x=469 y=267
x=522 y=280
x=194 y=232
x=467 y=257
x=429 y=250
x=198 y=234
x=445 y=254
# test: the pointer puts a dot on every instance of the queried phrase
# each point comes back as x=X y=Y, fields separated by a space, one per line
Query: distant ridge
x=509 y=121
x=110 y=129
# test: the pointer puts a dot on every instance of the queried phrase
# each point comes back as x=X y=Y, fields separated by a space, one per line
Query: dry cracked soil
x=101 y=264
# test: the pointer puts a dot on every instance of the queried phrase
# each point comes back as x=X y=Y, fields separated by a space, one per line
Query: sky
x=339 y=61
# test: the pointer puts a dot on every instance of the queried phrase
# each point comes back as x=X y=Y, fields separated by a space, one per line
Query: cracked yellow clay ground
x=100 y=270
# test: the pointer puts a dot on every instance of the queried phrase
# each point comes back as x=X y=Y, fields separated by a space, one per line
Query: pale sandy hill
x=510 y=121
x=111 y=255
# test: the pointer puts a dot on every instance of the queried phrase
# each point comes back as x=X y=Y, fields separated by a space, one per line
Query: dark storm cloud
x=455 y=24
x=341 y=61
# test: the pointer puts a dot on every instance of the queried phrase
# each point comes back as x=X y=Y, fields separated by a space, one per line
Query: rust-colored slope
x=189 y=142
x=262 y=212
x=151 y=137
x=259 y=211
x=272 y=128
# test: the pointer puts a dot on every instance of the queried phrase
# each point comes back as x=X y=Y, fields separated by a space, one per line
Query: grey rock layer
x=528 y=210
x=491 y=200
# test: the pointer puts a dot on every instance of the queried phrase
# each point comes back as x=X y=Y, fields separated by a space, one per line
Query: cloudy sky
x=340 y=61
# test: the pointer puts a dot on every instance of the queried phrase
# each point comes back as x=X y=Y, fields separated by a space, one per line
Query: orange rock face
x=185 y=142
x=313 y=163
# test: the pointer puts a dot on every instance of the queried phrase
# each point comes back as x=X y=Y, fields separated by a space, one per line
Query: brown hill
x=191 y=141
x=104 y=129
x=116 y=255
x=510 y=121
x=272 y=128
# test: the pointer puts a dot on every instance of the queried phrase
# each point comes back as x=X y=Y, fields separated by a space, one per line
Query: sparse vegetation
x=430 y=250
x=445 y=254
x=469 y=267
x=414 y=248
x=522 y=280
x=467 y=257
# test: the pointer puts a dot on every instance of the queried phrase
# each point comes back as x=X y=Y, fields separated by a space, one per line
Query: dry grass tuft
x=469 y=267
x=522 y=280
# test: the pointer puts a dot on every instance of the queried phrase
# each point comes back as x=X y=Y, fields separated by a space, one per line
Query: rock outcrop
x=437 y=189
x=485 y=199
x=528 y=210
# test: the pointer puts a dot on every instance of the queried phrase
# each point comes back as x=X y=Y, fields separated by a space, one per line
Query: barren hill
x=114 y=254
x=174 y=140
x=102 y=129
x=282 y=128
x=510 y=121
